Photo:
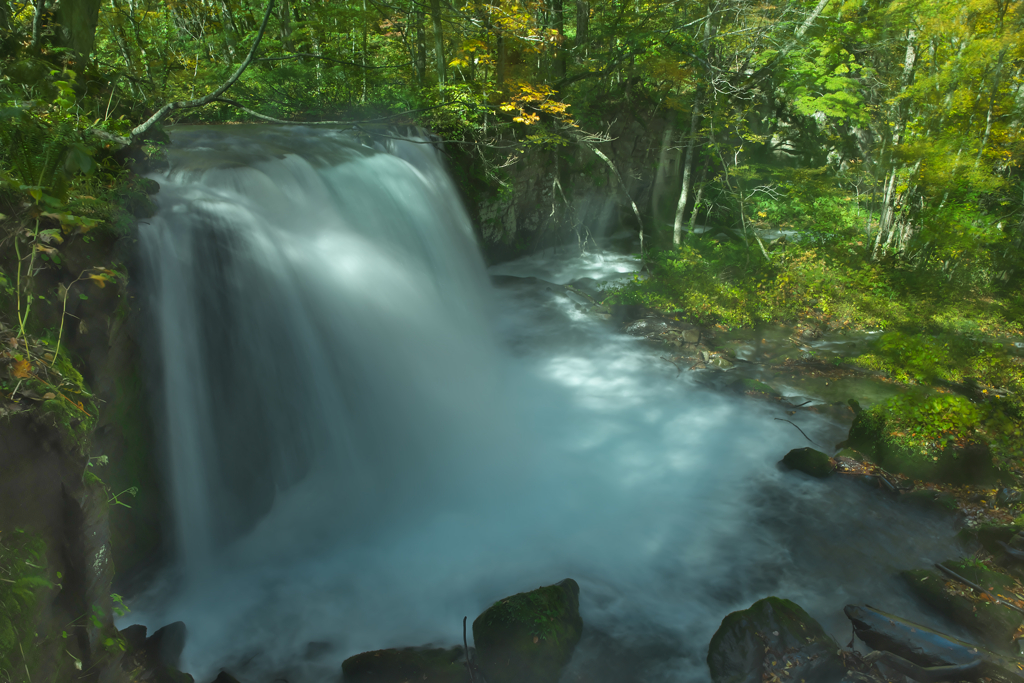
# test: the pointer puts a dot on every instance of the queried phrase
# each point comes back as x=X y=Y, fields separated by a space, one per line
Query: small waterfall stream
x=366 y=441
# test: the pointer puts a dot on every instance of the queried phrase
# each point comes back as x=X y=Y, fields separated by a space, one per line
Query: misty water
x=365 y=440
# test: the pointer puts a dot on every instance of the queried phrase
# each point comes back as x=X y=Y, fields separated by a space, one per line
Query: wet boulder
x=529 y=636
x=157 y=657
x=927 y=648
x=773 y=638
x=436 y=665
x=994 y=622
x=809 y=461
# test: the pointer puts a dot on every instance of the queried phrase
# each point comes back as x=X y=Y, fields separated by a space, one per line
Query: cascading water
x=365 y=442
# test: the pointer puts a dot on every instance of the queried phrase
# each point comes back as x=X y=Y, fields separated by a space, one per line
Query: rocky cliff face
x=67 y=478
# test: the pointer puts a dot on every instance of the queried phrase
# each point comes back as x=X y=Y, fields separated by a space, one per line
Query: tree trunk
x=420 y=51
x=582 y=28
x=285 y=16
x=435 y=14
x=677 y=225
x=558 y=19
x=77 y=20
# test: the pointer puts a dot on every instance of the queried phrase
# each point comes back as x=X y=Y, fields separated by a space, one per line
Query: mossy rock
x=773 y=637
x=529 y=637
x=436 y=665
x=851 y=453
x=989 y=535
x=994 y=622
x=749 y=385
x=809 y=461
x=873 y=434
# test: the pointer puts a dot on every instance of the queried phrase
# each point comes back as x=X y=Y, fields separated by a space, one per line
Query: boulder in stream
x=529 y=636
x=927 y=648
x=809 y=461
x=434 y=665
x=773 y=638
x=994 y=622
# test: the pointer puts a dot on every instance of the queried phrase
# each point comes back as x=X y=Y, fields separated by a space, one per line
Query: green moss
x=809 y=461
x=529 y=636
x=927 y=435
x=995 y=622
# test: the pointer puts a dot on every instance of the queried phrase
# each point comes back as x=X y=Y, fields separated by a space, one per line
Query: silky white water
x=365 y=441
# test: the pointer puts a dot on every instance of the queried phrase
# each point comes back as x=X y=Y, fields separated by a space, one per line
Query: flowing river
x=365 y=440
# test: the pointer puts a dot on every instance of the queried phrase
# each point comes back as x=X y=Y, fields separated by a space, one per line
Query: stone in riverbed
x=773 y=638
x=434 y=665
x=749 y=385
x=997 y=623
x=529 y=637
x=809 y=461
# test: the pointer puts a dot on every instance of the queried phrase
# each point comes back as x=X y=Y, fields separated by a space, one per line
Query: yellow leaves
x=21 y=369
x=533 y=100
x=101 y=276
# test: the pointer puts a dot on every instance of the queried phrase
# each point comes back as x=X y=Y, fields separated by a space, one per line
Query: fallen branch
x=801 y=431
x=677 y=367
x=978 y=588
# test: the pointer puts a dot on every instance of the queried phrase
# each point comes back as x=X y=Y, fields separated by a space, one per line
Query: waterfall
x=320 y=312
x=365 y=441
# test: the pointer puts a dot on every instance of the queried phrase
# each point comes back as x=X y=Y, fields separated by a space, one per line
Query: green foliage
x=23 y=576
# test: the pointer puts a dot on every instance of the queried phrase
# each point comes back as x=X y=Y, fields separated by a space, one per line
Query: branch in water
x=801 y=431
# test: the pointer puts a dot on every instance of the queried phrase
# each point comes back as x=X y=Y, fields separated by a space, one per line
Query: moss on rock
x=997 y=623
x=773 y=638
x=529 y=636
x=434 y=665
x=930 y=437
x=809 y=461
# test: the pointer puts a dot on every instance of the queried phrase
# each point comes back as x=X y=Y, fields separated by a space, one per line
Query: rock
x=691 y=336
x=925 y=647
x=809 y=461
x=990 y=620
x=164 y=647
x=1007 y=497
x=749 y=385
x=773 y=638
x=529 y=636
x=436 y=665
x=225 y=677
x=851 y=453
x=134 y=637
x=646 y=327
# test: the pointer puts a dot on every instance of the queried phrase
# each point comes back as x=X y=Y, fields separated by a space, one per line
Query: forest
x=835 y=166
